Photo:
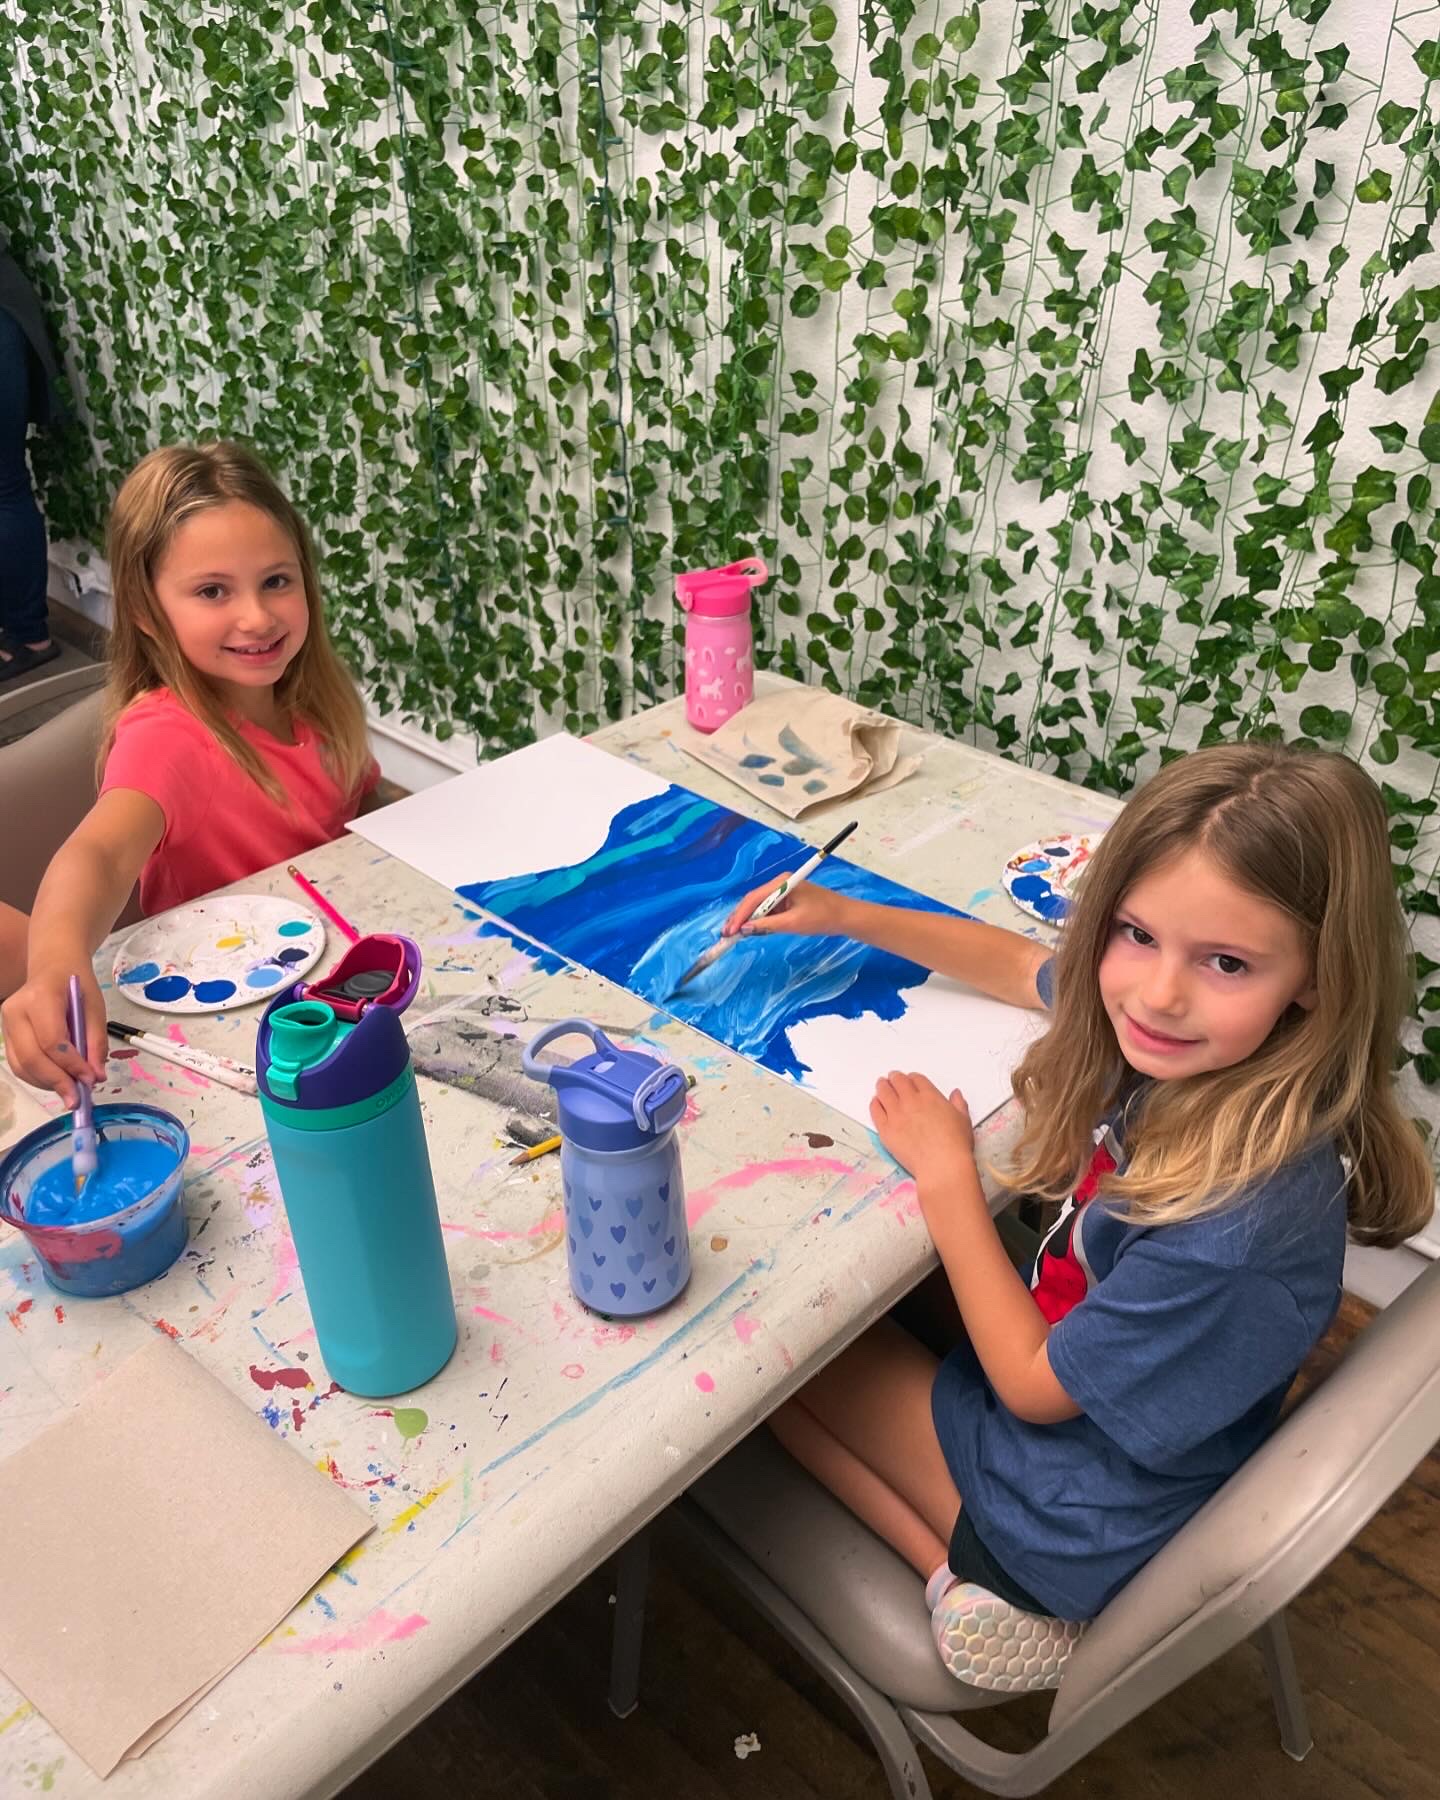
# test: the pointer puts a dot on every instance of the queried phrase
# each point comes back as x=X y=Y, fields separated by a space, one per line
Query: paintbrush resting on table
x=185 y=1056
x=766 y=906
x=83 y=1158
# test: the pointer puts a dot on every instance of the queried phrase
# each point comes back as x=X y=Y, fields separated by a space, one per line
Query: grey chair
x=856 y=1611
x=47 y=780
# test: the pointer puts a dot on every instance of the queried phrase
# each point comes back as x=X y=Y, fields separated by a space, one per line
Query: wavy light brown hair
x=1306 y=832
x=163 y=490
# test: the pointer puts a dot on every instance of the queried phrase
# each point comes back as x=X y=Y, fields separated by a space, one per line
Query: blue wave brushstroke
x=644 y=906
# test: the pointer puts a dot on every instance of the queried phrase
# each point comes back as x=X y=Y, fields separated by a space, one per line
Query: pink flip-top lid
x=721 y=593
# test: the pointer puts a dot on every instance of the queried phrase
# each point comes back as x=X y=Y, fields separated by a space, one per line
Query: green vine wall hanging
x=1070 y=363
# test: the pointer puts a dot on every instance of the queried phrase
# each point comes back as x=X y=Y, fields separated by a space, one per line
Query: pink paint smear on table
x=379 y=1628
x=699 y=1203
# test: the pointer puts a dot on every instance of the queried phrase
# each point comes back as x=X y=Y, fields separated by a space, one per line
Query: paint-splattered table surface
x=552 y=1435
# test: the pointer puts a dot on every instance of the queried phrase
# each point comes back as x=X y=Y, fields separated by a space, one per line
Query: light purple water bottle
x=719 y=660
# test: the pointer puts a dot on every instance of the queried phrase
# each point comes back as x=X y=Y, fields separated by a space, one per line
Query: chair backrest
x=1279 y=1520
x=47 y=785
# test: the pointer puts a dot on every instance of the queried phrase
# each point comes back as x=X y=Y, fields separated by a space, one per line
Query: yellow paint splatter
x=411 y=1513
x=229 y=943
x=22 y=1711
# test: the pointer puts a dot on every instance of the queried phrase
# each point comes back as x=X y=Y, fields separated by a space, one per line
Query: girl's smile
x=1198 y=970
x=264 y=652
x=1159 y=1043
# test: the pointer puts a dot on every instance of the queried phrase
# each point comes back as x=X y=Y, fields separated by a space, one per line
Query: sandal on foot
x=20 y=659
x=987 y=1642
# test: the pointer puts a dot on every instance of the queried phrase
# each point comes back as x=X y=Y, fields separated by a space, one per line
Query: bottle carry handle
x=654 y=1092
x=749 y=568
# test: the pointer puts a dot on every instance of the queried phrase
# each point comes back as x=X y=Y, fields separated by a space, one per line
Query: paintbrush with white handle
x=185 y=1056
x=767 y=905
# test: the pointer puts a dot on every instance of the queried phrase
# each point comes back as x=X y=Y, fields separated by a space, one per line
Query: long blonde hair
x=163 y=490
x=1305 y=831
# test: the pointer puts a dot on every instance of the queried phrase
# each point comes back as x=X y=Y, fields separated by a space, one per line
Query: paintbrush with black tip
x=766 y=906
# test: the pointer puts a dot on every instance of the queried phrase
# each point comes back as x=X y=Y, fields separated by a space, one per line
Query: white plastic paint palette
x=229 y=951
x=1038 y=878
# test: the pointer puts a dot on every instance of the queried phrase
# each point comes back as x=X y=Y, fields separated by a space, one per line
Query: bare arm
x=988 y=958
x=86 y=885
x=932 y=1137
x=14 y=927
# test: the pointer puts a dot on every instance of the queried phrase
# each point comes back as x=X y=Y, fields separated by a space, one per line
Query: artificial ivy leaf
x=1385 y=748
x=805 y=301
x=1273 y=414
x=1394 y=119
x=1326 y=723
x=961 y=32
x=1332 y=61
x=1335 y=382
x=1400 y=371
x=1324 y=178
x=1392 y=438
x=1375 y=187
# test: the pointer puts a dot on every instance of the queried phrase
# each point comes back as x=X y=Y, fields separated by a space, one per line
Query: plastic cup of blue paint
x=120 y=1250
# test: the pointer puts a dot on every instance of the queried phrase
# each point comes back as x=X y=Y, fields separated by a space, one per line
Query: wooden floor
x=534 y=1726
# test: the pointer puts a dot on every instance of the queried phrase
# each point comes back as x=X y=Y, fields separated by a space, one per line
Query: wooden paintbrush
x=766 y=906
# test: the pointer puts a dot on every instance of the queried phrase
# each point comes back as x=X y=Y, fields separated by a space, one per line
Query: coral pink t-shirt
x=220 y=825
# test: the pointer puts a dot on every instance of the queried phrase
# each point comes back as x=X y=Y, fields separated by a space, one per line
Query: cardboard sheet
x=154 y=1536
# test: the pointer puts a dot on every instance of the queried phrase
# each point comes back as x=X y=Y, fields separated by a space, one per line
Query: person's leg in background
x=24 y=631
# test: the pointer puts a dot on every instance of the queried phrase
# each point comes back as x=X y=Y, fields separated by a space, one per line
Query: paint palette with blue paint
x=1038 y=877
x=232 y=950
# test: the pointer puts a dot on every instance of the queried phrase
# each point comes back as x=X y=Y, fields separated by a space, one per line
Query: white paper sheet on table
x=617 y=870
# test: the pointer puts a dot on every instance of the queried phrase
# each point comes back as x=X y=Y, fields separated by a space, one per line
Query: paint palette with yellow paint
x=232 y=950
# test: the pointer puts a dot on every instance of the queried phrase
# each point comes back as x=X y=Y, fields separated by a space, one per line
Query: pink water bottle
x=719 y=665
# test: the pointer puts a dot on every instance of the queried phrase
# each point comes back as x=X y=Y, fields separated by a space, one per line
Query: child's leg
x=871 y=1499
x=863 y=1427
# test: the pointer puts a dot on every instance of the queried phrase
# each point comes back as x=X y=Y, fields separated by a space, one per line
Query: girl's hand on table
x=924 y=1131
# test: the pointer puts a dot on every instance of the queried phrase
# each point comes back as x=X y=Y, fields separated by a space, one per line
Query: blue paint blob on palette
x=1038 y=878
x=233 y=950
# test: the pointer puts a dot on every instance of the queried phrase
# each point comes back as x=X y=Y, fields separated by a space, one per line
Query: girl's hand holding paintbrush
x=986 y=957
x=809 y=910
x=39 y=1042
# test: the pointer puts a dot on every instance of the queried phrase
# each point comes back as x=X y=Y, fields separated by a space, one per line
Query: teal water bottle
x=338 y=1094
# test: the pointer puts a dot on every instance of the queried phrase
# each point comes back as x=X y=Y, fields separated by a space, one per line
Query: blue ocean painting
x=654 y=896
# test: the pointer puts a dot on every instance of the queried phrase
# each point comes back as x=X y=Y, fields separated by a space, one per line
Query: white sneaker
x=989 y=1643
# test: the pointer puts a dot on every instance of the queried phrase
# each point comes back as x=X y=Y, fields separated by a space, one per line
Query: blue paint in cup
x=92 y=1257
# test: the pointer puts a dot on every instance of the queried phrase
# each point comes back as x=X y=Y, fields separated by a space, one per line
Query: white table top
x=552 y=1436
